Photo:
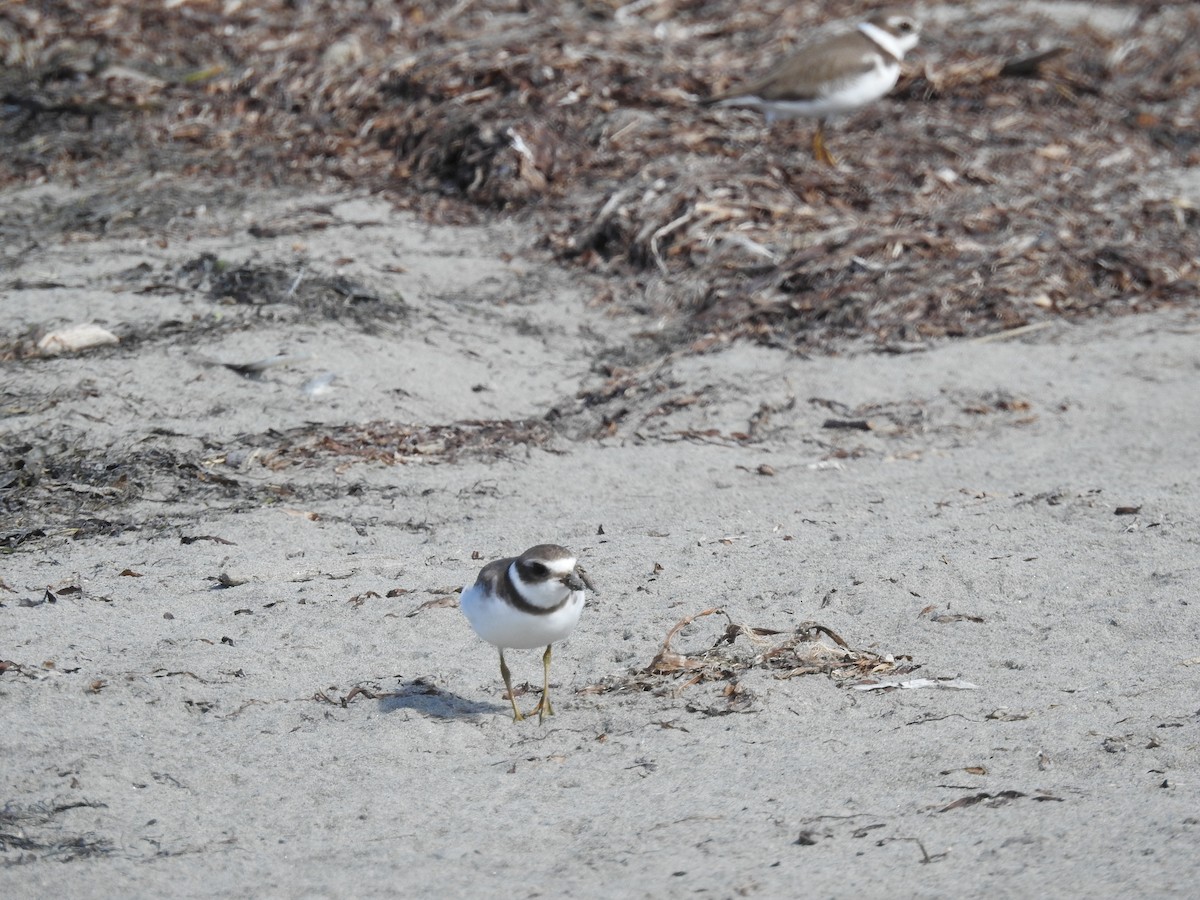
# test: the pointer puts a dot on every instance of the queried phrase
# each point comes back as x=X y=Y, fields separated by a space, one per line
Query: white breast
x=838 y=99
x=500 y=624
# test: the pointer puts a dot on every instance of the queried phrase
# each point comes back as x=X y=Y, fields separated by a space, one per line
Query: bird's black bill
x=578 y=580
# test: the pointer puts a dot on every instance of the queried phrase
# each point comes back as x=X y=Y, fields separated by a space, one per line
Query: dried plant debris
x=239 y=294
x=998 y=799
x=32 y=832
x=808 y=649
x=392 y=443
x=35 y=673
x=449 y=601
x=60 y=487
x=1003 y=184
x=910 y=684
x=314 y=294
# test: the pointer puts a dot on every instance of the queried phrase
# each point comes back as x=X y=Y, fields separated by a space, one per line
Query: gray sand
x=164 y=736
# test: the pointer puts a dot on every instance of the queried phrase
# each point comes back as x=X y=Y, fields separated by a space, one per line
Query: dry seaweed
x=807 y=649
x=62 y=487
x=1004 y=184
x=392 y=443
x=313 y=293
x=35 y=831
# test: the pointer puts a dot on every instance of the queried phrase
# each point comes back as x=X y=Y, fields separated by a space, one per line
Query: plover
x=832 y=76
x=525 y=602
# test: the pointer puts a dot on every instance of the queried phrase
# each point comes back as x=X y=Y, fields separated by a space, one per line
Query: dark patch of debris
x=391 y=443
x=1004 y=182
x=265 y=284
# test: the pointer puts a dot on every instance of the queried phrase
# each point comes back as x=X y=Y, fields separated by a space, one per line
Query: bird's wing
x=809 y=74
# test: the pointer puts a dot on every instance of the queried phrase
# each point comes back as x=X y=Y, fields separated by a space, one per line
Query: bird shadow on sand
x=426 y=698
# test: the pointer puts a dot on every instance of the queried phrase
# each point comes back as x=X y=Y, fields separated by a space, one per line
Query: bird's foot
x=821 y=152
x=543 y=708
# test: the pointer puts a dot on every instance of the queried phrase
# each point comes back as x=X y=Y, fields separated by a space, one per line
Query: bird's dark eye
x=904 y=26
x=537 y=570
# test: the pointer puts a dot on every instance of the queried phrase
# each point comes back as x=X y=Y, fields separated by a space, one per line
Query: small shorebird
x=832 y=76
x=524 y=602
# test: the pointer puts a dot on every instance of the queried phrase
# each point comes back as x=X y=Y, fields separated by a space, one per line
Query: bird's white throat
x=897 y=46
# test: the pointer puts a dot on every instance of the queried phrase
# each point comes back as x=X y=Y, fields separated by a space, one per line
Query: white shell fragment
x=76 y=337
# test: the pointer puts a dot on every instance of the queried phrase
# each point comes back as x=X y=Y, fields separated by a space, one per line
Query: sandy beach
x=1012 y=521
x=886 y=475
